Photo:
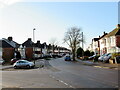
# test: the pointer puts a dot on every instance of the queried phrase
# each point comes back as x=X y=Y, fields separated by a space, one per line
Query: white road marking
x=62 y=82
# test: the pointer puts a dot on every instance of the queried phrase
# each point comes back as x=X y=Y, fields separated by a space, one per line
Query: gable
x=4 y=44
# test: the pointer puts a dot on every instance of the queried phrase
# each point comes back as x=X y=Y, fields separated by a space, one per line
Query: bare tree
x=54 y=43
x=73 y=37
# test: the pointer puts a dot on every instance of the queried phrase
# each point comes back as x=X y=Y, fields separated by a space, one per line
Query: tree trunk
x=73 y=55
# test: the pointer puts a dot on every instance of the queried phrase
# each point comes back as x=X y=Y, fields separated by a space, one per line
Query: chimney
x=10 y=38
x=38 y=42
x=29 y=39
x=104 y=33
x=118 y=25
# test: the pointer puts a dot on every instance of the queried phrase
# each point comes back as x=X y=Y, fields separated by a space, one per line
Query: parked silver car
x=101 y=57
x=92 y=57
x=1 y=61
x=23 y=64
x=107 y=57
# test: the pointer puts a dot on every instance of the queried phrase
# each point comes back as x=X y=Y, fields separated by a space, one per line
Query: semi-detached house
x=107 y=43
x=111 y=42
x=8 y=47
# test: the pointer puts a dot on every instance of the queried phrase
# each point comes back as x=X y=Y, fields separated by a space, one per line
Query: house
x=49 y=49
x=111 y=41
x=38 y=49
x=107 y=43
x=8 y=48
x=44 y=49
x=102 y=44
x=21 y=49
x=28 y=47
x=96 y=45
x=90 y=48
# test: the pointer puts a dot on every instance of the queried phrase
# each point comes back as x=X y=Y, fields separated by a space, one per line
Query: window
x=105 y=42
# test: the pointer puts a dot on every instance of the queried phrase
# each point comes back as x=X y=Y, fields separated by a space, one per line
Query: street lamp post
x=82 y=46
x=34 y=45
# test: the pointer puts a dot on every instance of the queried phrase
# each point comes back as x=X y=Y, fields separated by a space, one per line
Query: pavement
x=99 y=64
x=5 y=67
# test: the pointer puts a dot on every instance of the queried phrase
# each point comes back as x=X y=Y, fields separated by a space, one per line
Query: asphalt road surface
x=58 y=73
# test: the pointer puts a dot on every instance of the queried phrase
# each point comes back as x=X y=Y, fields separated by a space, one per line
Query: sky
x=53 y=19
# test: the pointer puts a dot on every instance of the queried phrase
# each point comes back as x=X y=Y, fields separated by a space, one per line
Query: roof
x=115 y=32
x=28 y=43
x=6 y=43
x=95 y=39
x=103 y=35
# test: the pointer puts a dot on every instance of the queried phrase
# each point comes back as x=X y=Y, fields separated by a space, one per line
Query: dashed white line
x=62 y=82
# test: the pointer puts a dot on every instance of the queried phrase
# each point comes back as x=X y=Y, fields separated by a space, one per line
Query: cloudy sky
x=53 y=19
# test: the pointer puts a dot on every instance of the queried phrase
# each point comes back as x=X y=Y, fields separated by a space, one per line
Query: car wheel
x=15 y=67
x=28 y=66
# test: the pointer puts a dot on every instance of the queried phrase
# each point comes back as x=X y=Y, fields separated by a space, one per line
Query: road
x=82 y=76
x=58 y=73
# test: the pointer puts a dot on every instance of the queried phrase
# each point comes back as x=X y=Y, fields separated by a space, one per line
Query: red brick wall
x=8 y=54
x=118 y=41
x=29 y=53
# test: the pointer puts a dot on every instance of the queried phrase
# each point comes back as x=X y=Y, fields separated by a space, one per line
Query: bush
x=115 y=55
x=85 y=58
x=87 y=53
x=96 y=58
x=80 y=52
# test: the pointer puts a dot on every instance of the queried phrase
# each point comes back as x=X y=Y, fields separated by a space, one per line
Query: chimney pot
x=29 y=39
x=104 y=32
x=38 y=41
x=10 y=38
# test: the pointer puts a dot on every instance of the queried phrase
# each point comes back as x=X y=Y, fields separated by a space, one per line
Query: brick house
x=28 y=47
x=8 y=48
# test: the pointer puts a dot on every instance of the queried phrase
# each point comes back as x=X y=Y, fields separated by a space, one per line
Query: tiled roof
x=115 y=32
x=28 y=43
x=12 y=43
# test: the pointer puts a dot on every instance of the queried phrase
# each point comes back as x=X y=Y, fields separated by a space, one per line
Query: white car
x=1 y=61
x=107 y=57
x=101 y=58
x=23 y=64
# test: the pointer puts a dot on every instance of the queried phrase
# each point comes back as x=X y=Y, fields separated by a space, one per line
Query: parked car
x=67 y=58
x=117 y=59
x=23 y=64
x=101 y=57
x=14 y=60
x=91 y=57
x=2 y=61
x=107 y=57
